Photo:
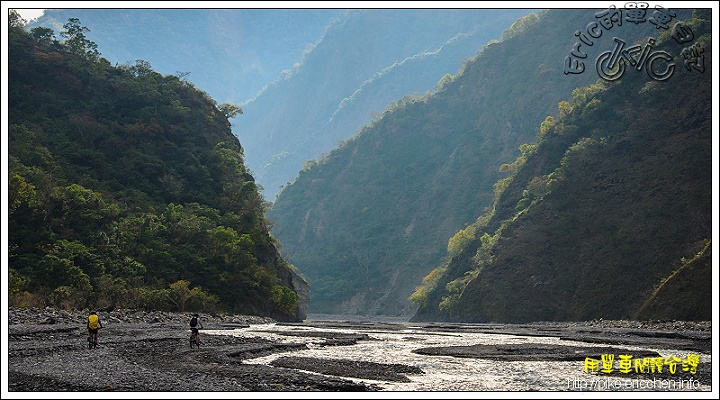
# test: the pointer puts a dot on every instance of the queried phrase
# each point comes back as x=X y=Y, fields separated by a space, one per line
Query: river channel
x=395 y=344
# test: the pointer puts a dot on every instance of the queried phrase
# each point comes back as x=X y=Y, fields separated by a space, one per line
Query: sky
x=30 y=13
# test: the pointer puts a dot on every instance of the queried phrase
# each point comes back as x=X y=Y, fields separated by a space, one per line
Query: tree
x=76 y=41
x=20 y=192
x=284 y=298
x=43 y=35
x=519 y=26
x=93 y=187
x=141 y=68
x=444 y=81
x=230 y=110
x=14 y=19
x=180 y=293
x=461 y=239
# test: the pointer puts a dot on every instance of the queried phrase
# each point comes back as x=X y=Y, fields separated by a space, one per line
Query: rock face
x=290 y=278
x=302 y=288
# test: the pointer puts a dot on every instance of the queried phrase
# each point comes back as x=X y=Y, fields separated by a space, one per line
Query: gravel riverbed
x=149 y=351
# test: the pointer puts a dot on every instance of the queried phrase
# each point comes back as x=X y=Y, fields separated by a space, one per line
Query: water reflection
x=393 y=344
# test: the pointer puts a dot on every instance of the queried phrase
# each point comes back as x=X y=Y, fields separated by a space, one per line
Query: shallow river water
x=448 y=373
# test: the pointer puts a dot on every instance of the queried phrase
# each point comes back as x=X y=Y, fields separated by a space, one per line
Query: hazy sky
x=29 y=13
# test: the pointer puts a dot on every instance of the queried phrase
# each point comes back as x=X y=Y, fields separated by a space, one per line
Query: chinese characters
x=646 y=365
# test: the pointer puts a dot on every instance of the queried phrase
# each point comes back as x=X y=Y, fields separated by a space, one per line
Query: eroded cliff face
x=302 y=289
x=290 y=278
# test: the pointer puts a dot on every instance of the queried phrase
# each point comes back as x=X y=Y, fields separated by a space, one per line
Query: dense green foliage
x=127 y=189
x=368 y=221
x=607 y=215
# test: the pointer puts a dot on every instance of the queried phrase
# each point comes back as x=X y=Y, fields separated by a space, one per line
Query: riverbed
x=149 y=352
x=508 y=362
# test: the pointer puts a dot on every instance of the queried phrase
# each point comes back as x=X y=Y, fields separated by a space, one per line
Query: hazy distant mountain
x=326 y=72
x=367 y=60
x=230 y=53
x=366 y=223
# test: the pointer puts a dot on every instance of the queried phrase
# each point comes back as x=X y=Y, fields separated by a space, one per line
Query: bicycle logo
x=610 y=65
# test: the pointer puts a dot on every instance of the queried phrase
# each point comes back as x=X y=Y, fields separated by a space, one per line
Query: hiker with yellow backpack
x=93 y=324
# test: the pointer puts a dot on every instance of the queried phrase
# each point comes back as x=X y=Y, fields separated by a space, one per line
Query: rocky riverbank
x=146 y=351
x=149 y=351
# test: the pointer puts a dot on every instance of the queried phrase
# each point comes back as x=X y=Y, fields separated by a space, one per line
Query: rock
x=149 y=351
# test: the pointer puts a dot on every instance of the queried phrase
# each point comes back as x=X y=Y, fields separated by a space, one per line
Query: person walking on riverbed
x=93 y=324
x=195 y=325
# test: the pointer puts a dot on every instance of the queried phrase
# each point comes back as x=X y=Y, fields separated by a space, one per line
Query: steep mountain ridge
x=365 y=61
x=368 y=221
x=128 y=190
x=613 y=201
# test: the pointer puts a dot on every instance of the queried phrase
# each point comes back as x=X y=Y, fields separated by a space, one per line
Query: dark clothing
x=198 y=324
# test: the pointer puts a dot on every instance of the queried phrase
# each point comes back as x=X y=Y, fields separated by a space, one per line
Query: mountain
x=366 y=60
x=608 y=215
x=367 y=222
x=305 y=78
x=229 y=53
x=128 y=189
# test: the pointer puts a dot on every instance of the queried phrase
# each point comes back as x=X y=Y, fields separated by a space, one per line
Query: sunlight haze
x=31 y=13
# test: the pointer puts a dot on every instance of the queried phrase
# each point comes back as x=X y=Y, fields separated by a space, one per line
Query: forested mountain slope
x=368 y=221
x=608 y=215
x=327 y=72
x=128 y=189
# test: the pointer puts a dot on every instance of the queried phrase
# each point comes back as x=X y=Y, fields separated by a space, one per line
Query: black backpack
x=193 y=322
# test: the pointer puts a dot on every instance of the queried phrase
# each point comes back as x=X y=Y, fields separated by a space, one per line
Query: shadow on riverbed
x=350 y=368
x=146 y=351
x=529 y=352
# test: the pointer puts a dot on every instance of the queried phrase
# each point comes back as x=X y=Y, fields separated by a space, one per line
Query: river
x=394 y=344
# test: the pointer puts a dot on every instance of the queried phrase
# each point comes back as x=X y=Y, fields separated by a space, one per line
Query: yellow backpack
x=93 y=321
